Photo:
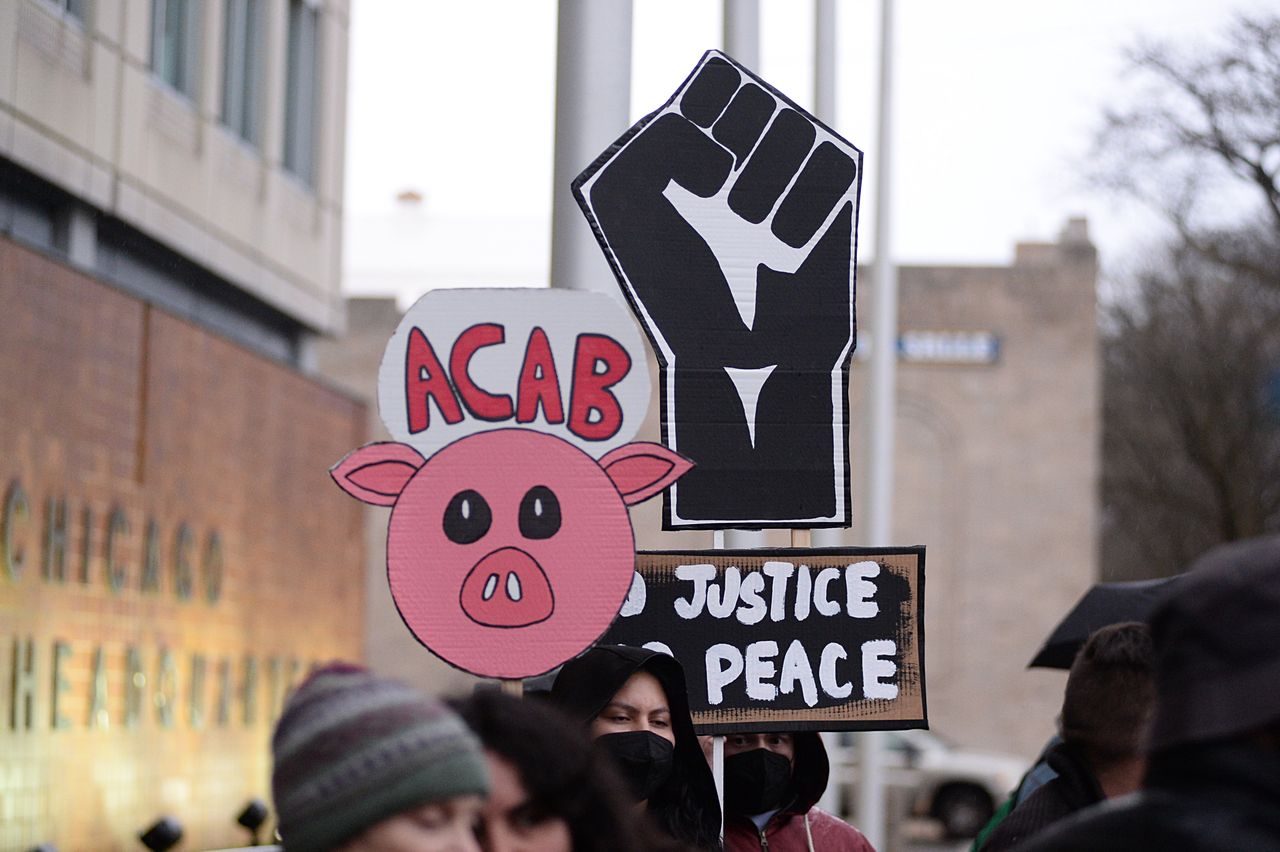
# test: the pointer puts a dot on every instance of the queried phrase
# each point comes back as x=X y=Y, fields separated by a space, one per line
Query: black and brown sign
x=821 y=639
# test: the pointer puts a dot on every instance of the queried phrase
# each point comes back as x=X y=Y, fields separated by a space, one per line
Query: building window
x=300 y=90
x=175 y=43
x=70 y=8
x=242 y=69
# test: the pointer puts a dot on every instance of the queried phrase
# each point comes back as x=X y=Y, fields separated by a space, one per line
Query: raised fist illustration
x=729 y=217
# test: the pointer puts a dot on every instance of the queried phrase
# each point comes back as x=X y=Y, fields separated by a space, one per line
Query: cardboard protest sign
x=729 y=217
x=509 y=548
x=821 y=639
x=563 y=362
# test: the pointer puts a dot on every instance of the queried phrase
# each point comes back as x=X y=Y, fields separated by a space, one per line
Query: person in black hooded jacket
x=634 y=703
x=772 y=784
x=1106 y=710
x=1213 y=769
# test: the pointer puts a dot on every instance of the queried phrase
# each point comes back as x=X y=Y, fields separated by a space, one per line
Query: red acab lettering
x=424 y=381
x=591 y=387
x=481 y=403
x=599 y=363
x=539 y=384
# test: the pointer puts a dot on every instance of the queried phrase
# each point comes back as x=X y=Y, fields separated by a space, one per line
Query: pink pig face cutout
x=509 y=551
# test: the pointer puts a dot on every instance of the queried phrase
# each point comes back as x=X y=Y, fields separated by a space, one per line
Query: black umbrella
x=1104 y=604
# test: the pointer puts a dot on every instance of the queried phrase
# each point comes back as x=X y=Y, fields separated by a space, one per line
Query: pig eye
x=467 y=517
x=539 y=513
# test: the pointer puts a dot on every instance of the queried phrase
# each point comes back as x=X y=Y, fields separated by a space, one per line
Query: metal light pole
x=593 y=108
x=824 y=60
x=882 y=386
x=824 y=108
x=742 y=32
x=742 y=42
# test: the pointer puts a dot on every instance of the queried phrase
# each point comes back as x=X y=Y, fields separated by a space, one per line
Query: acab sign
x=555 y=361
x=509 y=545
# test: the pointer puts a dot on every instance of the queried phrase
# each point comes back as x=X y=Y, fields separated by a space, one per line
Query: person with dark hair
x=634 y=704
x=367 y=764
x=550 y=792
x=772 y=783
x=1213 y=754
x=1106 y=710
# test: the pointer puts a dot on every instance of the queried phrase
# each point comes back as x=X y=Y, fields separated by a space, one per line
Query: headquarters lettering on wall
x=143 y=689
x=131 y=685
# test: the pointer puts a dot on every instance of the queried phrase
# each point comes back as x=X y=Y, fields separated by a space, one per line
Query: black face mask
x=643 y=758
x=756 y=781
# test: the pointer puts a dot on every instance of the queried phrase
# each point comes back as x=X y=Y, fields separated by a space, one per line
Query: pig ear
x=377 y=473
x=640 y=470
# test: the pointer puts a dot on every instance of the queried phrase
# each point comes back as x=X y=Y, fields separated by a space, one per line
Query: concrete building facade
x=173 y=556
x=996 y=471
x=135 y=114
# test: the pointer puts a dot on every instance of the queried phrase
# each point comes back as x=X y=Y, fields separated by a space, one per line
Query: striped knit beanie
x=353 y=749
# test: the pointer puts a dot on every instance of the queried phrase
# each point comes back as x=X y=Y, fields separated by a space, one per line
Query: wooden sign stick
x=717 y=741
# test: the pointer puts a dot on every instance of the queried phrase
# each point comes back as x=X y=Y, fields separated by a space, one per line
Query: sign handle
x=717 y=741
x=801 y=538
x=514 y=686
x=717 y=772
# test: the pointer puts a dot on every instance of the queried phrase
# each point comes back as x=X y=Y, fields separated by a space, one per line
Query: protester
x=772 y=783
x=1033 y=779
x=551 y=792
x=1106 y=709
x=1213 y=776
x=634 y=704
x=363 y=763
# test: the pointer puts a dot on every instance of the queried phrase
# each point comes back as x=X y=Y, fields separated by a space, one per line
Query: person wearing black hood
x=1213 y=752
x=635 y=705
x=772 y=783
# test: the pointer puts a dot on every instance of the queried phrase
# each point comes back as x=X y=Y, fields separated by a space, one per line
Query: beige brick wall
x=996 y=472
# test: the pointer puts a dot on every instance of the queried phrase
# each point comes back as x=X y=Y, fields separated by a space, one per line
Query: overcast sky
x=996 y=102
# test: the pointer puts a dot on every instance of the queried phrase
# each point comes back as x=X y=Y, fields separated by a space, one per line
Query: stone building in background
x=172 y=554
x=996 y=473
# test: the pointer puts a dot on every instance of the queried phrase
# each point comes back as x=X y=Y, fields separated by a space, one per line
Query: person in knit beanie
x=363 y=763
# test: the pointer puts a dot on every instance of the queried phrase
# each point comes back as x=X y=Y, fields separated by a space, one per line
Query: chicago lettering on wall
x=802 y=639
x=729 y=217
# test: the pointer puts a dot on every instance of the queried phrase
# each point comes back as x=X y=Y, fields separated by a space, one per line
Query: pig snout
x=507 y=588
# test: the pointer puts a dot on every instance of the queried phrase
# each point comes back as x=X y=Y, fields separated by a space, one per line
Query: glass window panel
x=300 y=91
x=175 y=43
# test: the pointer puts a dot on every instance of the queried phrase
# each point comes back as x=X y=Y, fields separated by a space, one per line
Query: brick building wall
x=173 y=557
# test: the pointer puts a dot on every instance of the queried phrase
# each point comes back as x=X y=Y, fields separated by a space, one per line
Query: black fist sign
x=729 y=217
